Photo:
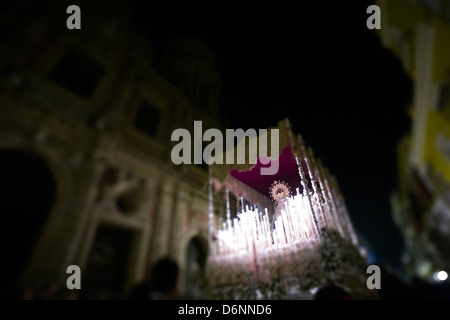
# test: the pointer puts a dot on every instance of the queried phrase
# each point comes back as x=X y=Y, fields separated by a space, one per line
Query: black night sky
x=316 y=63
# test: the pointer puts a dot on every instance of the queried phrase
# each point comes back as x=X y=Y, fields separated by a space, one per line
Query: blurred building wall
x=419 y=32
x=98 y=107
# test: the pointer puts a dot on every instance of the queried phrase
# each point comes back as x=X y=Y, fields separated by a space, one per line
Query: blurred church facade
x=85 y=125
x=418 y=32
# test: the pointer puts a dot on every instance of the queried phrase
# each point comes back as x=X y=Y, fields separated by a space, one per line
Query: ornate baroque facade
x=92 y=107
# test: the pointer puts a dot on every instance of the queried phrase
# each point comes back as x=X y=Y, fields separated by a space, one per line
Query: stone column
x=88 y=184
x=141 y=250
x=178 y=218
x=161 y=221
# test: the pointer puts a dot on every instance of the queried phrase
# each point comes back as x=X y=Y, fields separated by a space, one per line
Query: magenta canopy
x=287 y=172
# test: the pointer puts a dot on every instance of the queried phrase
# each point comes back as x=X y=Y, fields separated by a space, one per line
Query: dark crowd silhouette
x=162 y=283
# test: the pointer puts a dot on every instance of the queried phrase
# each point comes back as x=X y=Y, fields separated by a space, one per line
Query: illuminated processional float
x=287 y=244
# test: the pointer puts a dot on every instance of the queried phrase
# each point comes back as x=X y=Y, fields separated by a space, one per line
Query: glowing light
x=441 y=275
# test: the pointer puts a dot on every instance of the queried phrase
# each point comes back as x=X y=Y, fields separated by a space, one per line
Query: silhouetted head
x=164 y=276
x=331 y=292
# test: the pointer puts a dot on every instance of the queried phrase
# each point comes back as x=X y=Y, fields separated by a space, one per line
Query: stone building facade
x=85 y=146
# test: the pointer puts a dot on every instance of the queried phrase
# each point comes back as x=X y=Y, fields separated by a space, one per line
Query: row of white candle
x=252 y=229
